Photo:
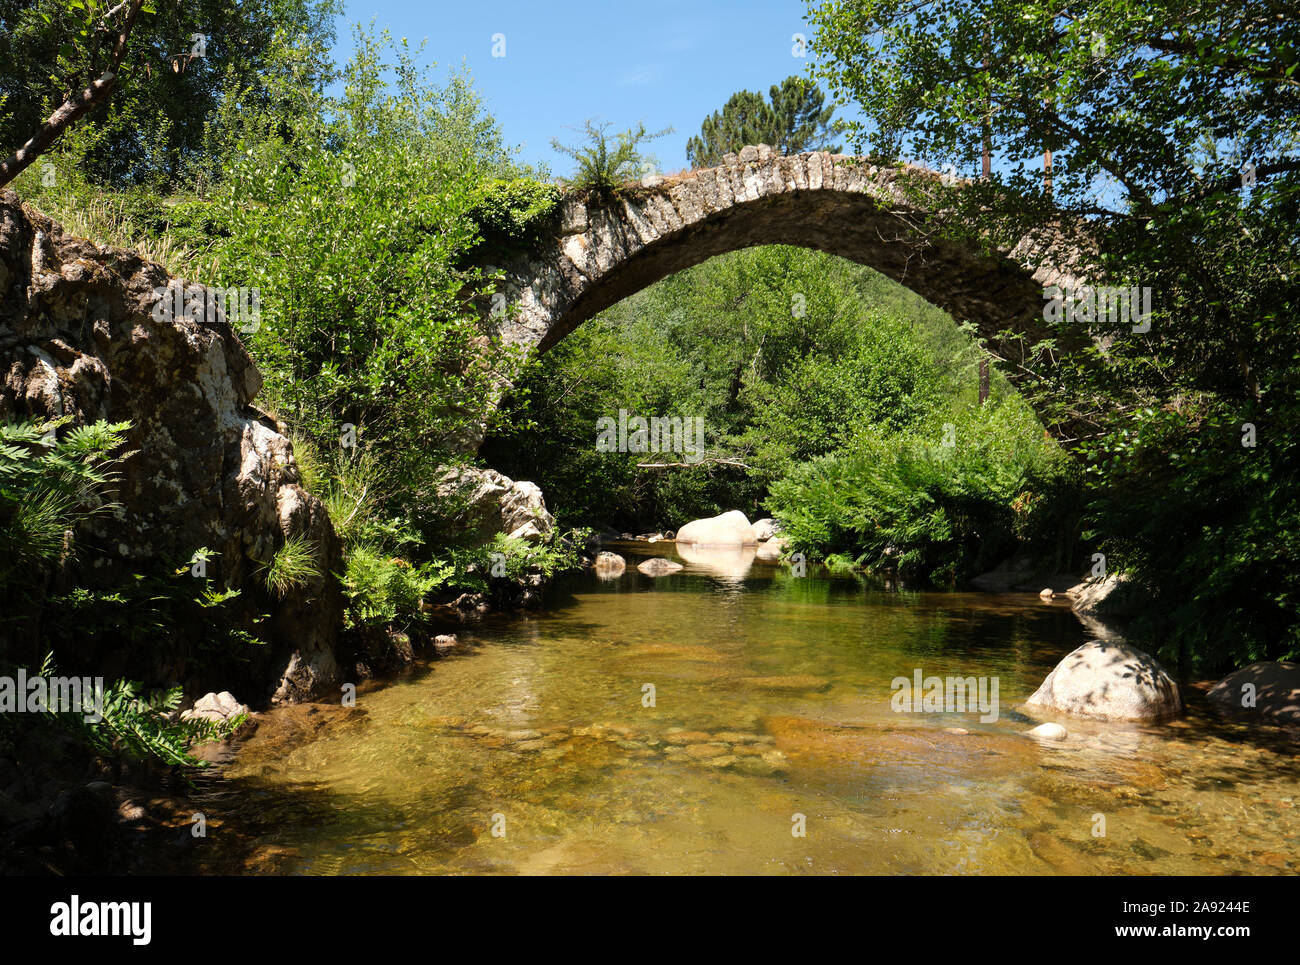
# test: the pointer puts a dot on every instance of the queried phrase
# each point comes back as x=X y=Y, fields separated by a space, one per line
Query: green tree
x=795 y=120
x=353 y=230
x=1175 y=145
x=161 y=122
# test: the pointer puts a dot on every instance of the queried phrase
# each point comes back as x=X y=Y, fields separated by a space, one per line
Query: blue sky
x=670 y=62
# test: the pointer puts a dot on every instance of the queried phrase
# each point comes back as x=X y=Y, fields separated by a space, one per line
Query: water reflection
x=726 y=563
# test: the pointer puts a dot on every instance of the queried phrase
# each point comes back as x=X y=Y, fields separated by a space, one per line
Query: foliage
x=794 y=121
x=785 y=355
x=882 y=379
x=513 y=212
x=1210 y=526
x=47 y=485
x=937 y=507
x=1175 y=156
x=365 y=215
x=380 y=587
x=389 y=591
x=381 y=590
x=161 y=123
x=292 y=566
x=161 y=611
x=605 y=165
x=132 y=724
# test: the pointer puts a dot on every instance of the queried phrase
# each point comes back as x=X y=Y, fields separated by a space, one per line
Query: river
x=733 y=718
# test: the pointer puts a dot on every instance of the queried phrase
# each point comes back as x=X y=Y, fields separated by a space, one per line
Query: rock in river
x=217 y=708
x=1269 y=689
x=658 y=567
x=609 y=565
x=729 y=529
x=1109 y=681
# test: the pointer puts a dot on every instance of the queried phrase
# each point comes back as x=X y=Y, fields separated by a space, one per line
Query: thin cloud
x=641 y=76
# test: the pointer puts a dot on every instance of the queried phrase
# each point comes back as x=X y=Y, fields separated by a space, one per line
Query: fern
x=139 y=726
x=49 y=484
x=606 y=164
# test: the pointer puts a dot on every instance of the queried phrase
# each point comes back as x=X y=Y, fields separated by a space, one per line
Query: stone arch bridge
x=602 y=251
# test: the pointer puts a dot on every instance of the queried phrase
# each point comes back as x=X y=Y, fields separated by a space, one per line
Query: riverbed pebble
x=686 y=737
x=705 y=751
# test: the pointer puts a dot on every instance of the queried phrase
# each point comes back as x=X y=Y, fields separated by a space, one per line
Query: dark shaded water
x=535 y=751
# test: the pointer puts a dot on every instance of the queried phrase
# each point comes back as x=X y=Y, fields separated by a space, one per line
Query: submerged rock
x=1109 y=681
x=1051 y=732
x=793 y=681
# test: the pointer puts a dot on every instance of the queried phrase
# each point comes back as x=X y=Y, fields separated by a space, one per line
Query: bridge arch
x=603 y=250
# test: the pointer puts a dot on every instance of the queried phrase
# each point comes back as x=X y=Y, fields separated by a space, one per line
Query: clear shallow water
x=772 y=699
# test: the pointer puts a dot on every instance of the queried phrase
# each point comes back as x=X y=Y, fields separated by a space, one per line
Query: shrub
x=381 y=590
x=513 y=212
x=134 y=725
x=938 y=513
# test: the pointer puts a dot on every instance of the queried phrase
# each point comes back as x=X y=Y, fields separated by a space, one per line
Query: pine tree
x=794 y=121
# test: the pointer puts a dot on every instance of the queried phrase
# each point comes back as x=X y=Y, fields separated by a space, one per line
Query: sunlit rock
x=730 y=529
x=482 y=503
x=1109 y=681
x=658 y=567
x=91 y=333
x=609 y=565
x=217 y=708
